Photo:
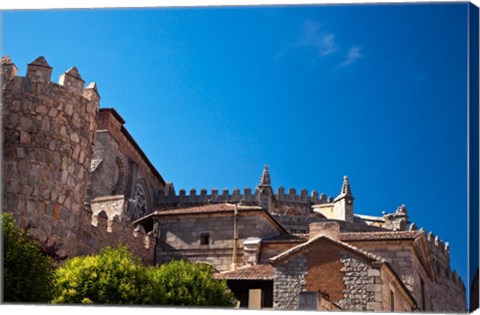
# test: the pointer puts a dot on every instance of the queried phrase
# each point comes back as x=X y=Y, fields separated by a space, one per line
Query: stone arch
x=119 y=176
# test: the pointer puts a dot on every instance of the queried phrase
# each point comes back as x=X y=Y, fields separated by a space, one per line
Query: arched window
x=118 y=179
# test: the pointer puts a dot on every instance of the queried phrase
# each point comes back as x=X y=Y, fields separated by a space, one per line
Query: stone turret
x=49 y=131
x=343 y=204
x=264 y=190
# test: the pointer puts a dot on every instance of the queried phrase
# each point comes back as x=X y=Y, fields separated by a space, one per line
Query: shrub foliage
x=111 y=277
x=27 y=273
x=115 y=276
x=186 y=283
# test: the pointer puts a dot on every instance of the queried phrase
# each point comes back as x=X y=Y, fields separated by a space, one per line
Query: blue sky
x=375 y=92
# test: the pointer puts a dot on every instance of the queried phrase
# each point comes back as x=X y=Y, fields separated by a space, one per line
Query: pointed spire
x=346 y=191
x=265 y=179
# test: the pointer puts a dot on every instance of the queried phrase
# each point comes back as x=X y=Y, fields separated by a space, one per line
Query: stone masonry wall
x=445 y=293
x=97 y=232
x=108 y=120
x=362 y=286
x=288 y=282
x=180 y=238
x=48 y=133
x=448 y=294
x=391 y=285
x=103 y=180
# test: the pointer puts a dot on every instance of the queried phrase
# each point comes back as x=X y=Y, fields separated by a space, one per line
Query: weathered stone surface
x=288 y=282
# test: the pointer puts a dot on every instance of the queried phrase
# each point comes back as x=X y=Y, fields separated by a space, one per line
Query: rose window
x=140 y=202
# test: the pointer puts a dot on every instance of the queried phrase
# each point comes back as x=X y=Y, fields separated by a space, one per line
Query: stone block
x=31 y=207
x=404 y=254
x=374 y=306
x=374 y=288
x=25 y=137
x=13 y=187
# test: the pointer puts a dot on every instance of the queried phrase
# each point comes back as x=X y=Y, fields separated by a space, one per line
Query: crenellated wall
x=48 y=133
x=248 y=196
x=293 y=210
x=100 y=229
x=448 y=290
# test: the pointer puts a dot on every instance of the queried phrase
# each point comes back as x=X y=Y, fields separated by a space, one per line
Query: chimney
x=330 y=229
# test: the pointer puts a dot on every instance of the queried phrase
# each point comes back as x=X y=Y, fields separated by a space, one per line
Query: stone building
x=74 y=175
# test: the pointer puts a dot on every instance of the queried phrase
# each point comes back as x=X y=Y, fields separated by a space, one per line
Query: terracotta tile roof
x=286 y=238
x=212 y=209
x=251 y=272
x=208 y=208
x=371 y=236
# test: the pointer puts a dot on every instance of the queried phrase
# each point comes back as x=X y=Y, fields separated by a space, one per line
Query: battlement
x=40 y=71
x=438 y=246
x=435 y=245
x=100 y=227
x=246 y=196
x=440 y=255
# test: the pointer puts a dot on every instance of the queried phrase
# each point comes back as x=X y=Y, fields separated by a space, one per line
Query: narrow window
x=392 y=301
x=204 y=239
x=422 y=288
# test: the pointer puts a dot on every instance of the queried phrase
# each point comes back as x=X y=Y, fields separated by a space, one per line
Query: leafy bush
x=191 y=284
x=115 y=276
x=27 y=273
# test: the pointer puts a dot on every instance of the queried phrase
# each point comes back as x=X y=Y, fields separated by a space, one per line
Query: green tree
x=27 y=273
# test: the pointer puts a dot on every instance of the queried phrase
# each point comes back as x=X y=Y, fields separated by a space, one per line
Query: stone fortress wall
x=448 y=291
x=49 y=138
x=49 y=132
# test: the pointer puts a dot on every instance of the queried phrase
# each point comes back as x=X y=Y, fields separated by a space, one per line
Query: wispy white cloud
x=311 y=37
x=352 y=55
x=314 y=37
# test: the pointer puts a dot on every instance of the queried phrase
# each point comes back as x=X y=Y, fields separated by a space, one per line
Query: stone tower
x=49 y=130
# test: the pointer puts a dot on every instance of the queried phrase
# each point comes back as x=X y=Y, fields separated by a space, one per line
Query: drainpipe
x=235 y=238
